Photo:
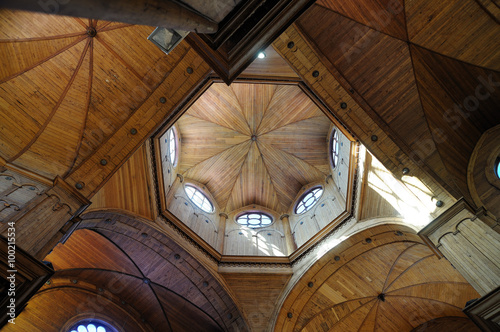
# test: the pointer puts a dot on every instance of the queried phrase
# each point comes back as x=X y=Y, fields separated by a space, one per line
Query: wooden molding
x=437 y=228
x=30 y=275
x=248 y=29
x=485 y=311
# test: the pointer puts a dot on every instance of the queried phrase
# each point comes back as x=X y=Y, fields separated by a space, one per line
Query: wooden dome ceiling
x=254 y=144
x=383 y=279
x=128 y=274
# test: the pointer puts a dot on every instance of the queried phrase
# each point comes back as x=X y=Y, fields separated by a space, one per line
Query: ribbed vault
x=254 y=144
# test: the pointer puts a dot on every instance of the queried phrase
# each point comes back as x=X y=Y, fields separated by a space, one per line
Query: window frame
x=206 y=197
x=304 y=195
x=250 y=212
x=334 y=148
x=172 y=132
x=96 y=322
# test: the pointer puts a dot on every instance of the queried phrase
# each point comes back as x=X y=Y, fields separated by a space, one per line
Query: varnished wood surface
x=423 y=95
x=272 y=66
x=343 y=296
x=129 y=188
x=288 y=149
x=79 y=96
x=257 y=295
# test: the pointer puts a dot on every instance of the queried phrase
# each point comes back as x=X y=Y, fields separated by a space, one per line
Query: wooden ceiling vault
x=421 y=84
x=254 y=144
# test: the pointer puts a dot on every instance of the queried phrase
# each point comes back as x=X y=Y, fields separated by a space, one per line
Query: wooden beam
x=167 y=14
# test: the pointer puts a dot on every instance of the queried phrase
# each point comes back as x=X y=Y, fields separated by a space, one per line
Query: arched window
x=308 y=200
x=254 y=219
x=171 y=142
x=92 y=326
x=198 y=198
x=334 y=148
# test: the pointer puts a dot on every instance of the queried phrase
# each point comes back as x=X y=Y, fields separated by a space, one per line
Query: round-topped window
x=308 y=200
x=198 y=198
x=334 y=148
x=171 y=142
x=92 y=326
x=254 y=219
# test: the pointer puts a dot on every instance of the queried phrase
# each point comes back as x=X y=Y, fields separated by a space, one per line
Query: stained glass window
x=254 y=219
x=92 y=326
x=308 y=200
x=198 y=198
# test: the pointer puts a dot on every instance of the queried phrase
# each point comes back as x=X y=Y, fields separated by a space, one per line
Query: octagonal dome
x=254 y=144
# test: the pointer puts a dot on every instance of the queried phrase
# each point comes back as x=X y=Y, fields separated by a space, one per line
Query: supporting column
x=221 y=235
x=469 y=239
x=45 y=219
x=290 y=243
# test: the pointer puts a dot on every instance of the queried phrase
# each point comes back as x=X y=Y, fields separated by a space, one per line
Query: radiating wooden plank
x=459 y=29
x=225 y=109
x=288 y=172
x=254 y=100
x=220 y=172
x=288 y=105
x=307 y=140
x=201 y=140
x=387 y=16
x=58 y=70
x=254 y=185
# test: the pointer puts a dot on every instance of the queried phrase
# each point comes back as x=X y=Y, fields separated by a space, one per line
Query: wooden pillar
x=290 y=243
x=469 y=239
x=221 y=235
x=166 y=13
x=44 y=220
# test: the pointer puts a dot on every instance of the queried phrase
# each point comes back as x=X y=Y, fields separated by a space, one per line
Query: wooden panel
x=448 y=324
x=165 y=263
x=306 y=60
x=466 y=107
x=88 y=249
x=484 y=184
x=330 y=205
x=50 y=311
x=387 y=16
x=128 y=189
x=345 y=292
x=244 y=33
x=257 y=295
x=204 y=224
x=459 y=29
x=389 y=88
x=272 y=66
x=77 y=94
x=183 y=315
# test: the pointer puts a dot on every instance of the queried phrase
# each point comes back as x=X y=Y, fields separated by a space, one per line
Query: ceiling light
x=167 y=39
x=261 y=55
